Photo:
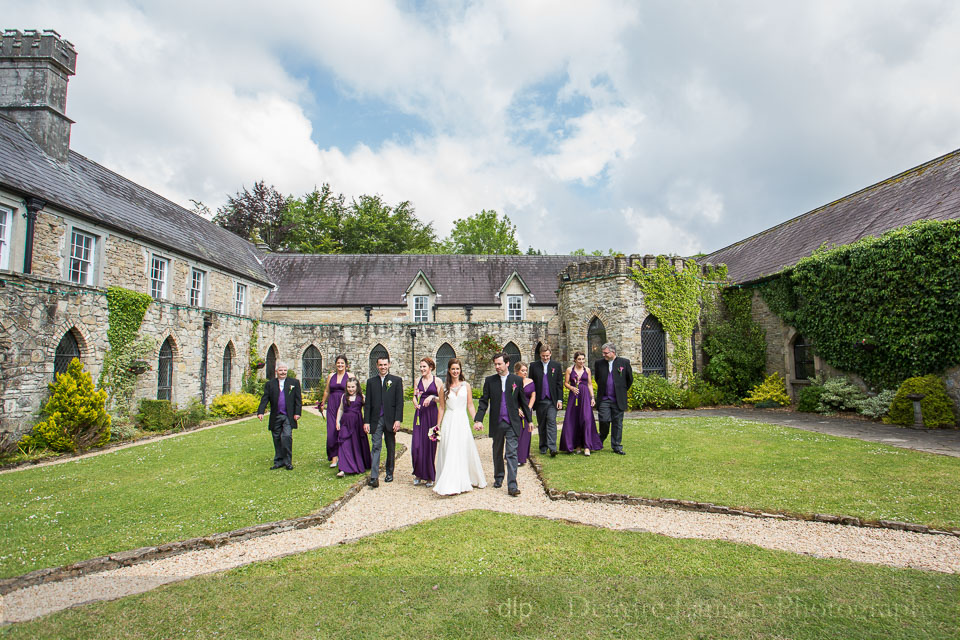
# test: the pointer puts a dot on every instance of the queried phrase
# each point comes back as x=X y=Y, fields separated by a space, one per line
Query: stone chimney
x=34 y=70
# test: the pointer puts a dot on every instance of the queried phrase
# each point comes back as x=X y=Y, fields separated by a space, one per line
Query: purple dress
x=423 y=450
x=579 y=427
x=333 y=404
x=523 y=444
x=353 y=446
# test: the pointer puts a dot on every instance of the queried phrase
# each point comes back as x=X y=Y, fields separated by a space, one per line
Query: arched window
x=537 y=350
x=693 y=348
x=272 y=362
x=444 y=355
x=803 y=366
x=653 y=342
x=513 y=353
x=165 y=371
x=67 y=350
x=376 y=353
x=227 y=366
x=311 y=368
x=596 y=337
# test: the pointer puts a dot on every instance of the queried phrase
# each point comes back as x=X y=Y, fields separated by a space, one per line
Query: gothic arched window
x=227 y=367
x=803 y=365
x=67 y=350
x=444 y=355
x=513 y=354
x=596 y=337
x=376 y=353
x=165 y=371
x=653 y=342
x=311 y=368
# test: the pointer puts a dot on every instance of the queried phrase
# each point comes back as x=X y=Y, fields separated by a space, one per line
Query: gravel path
x=400 y=504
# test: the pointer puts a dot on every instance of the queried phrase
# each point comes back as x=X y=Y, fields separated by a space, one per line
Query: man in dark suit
x=286 y=403
x=614 y=377
x=383 y=408
x=504 y=392
x=547 y=377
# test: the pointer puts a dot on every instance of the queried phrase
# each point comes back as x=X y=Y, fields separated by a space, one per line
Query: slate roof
x=930 y=191
x=381 y=280
x=88 y=190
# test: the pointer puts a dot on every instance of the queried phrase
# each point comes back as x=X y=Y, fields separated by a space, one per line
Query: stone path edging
x=709 y=507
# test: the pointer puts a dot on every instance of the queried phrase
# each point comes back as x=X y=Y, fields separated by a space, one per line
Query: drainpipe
x=33 y=206
x=413 y=356
x=203 y=363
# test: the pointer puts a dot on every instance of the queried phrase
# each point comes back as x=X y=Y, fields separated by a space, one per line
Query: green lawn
x=197 y=484
x=487 y=575
x=737 y=463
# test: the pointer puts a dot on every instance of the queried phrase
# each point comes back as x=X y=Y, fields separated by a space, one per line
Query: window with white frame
x=421 y=312
x=240 y=299
x=158 y=277
x=196 y=287
x=82 y=251
x=6 y=221
x=515 y=308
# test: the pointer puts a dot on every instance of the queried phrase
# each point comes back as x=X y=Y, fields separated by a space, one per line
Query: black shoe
x=497 y=484
x=388 y=477
x=373 y=483
x=543 y=451
x=553 y=454
x=276 y=466
x=289 y=467
x=619 y=452
x=514 y=493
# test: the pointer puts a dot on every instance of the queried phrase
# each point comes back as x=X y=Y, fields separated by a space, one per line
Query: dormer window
x=515 y=308
x=421 y=310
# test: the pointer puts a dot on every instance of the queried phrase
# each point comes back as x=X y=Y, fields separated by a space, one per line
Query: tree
x=484 y=233
x=255 y=214
x=313 y=222
x=372 y=226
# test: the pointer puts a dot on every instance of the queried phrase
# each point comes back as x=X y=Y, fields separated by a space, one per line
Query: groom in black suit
x=383 y=408
x=614 y=377
x=504 y=392
x=547 y=378
x=286 y=404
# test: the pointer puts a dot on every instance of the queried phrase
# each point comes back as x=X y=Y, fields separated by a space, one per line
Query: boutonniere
x=552 y=371
x=621 y=369
x=389 y=382
x=514 y=386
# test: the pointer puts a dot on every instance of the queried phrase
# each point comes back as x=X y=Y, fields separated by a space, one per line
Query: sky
x=645 y=127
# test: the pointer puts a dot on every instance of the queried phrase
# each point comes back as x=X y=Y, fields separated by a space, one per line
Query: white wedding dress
x=458 y=463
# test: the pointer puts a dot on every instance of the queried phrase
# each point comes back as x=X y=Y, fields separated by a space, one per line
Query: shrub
x=734 y=345
x=122 y=430
x=808 y=399
x=702 y=394
x=879 y=405
x=76 y=413
x=936 y=406
x=232 y=405
x=655 y=392
x=193 y=415
x=839 y=394
x=155 y=415
x=771 y=390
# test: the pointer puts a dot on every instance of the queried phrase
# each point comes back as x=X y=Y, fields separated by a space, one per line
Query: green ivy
x=125 y=310
x=735 y=345
x=251 y=379
x=481 y=350
x=897 y=293
x=674 y=297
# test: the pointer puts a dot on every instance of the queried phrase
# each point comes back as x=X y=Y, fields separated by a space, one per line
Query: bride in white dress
x=458 y=463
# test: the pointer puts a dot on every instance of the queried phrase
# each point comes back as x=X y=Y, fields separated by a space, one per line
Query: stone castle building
x=70 y=228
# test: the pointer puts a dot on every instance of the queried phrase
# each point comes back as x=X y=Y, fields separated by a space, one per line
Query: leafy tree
x=372 y=226
x=484 y=233
x=255 y=214
x=314 y=222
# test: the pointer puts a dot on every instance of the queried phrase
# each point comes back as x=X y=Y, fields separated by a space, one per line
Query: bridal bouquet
x=434 y=433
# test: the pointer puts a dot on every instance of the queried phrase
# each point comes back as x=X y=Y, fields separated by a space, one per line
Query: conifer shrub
x=232 y=405
x=76 y=415
x=771 y=392
x=936 y=406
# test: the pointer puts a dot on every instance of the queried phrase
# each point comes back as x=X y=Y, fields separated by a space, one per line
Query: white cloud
x=602 y=136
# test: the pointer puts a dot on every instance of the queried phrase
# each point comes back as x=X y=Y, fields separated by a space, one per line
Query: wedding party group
x=444 y=453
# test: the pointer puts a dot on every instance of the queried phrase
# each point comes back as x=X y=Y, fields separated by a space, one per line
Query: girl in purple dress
x=523 y=445
x=353 y=446
x=423 y=450
x=330 y=404
x=579 y=428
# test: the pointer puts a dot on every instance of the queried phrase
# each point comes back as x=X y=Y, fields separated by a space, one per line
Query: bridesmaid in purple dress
x=330 y=404
x=423 y=450
x=579 y=427
x=354 y=448
x=523 y=444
